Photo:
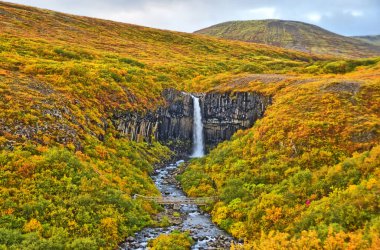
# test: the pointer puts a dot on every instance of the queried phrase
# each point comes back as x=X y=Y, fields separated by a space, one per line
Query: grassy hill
x=307 y=174
x=94 y=67
x=292 y=35
x=369 y=39
x=67 y=175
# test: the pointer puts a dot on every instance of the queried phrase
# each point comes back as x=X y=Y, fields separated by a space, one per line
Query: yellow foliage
x=220 y=214
x=109 y=227
x=273 y=214
x=32 y=226
x=310 y=163
x=239 y=230
x=274 y=240
x=342 y=240
x=372 y=183
x=173 y=241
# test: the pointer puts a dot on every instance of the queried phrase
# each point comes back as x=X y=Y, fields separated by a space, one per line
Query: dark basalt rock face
x=223 y=114
x=171 y=124
x=175 y=121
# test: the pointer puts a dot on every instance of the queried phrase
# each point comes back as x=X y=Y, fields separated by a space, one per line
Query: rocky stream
x=183 y=217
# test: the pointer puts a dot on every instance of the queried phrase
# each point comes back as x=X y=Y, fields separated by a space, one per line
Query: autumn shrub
x=10 y=237
x=232 y=190
x=83 y=244
x=253 y=68
x=338 y=67
x=67 y=54
x=173 y=241
x=132 y=62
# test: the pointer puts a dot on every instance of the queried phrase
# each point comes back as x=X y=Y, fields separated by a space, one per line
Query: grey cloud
x=347 y=17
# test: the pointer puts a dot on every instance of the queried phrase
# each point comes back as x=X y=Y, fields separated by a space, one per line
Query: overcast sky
x=346 y=17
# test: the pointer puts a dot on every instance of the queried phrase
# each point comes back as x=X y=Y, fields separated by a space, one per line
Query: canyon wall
x=223 y=114
x=171 y=124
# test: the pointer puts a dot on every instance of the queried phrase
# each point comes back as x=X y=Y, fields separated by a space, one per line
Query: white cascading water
x=198 y=147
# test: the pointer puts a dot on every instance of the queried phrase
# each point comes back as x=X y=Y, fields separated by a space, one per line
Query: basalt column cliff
x=222 y=115
x=171 y=124
x=225 y=113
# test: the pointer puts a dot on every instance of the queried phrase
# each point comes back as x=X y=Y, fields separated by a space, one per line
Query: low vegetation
x=306 y=173
x=54 y=198
x=68 y=175
x=173 y=241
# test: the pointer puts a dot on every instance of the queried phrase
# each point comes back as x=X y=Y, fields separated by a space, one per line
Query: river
x=205 y=233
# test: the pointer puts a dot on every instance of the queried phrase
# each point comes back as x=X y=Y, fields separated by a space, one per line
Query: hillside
x=292 y=35
x=375 y=40
x=68 y=173
x=307 y=174
x=101 y=66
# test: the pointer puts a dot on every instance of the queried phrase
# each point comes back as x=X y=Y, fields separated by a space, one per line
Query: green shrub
x=253 y=68
x=132 y=62
x=339 y=67
x=83 y=244
x=67 y=54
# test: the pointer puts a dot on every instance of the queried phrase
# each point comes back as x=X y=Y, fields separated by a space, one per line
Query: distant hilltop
x=295 y=35
x=369 y=39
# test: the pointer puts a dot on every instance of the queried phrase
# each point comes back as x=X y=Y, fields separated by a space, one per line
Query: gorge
x=185 y=217
x=93 y=112
x=172 y=124
x=192 y=120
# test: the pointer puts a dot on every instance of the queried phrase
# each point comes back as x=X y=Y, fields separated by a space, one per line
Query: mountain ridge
x=292 y=35
x=372 y=39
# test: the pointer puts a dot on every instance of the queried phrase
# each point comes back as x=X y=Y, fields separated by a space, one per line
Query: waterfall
x=198 y=147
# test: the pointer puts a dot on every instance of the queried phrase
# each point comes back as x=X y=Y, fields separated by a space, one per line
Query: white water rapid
x=198 y=147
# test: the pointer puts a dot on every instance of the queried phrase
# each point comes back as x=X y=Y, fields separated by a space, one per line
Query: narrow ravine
x=205 y=233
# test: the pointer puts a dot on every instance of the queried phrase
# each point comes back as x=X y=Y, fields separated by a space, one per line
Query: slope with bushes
x=67 y=175
x=75 y=72
x=306 y=173
x=54 y=198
